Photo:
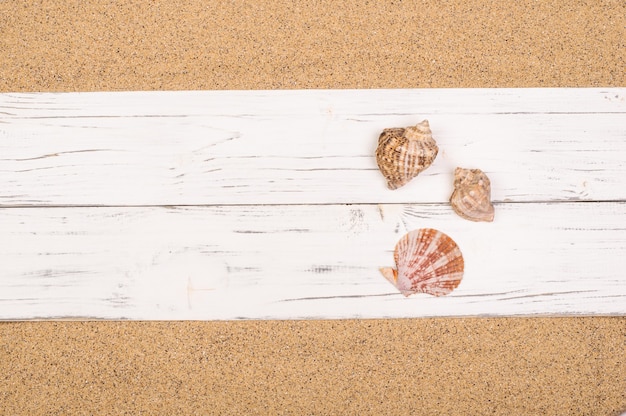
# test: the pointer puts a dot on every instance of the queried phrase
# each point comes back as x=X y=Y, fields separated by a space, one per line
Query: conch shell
x=402 y=153
x=471 y=198
x=427 y=261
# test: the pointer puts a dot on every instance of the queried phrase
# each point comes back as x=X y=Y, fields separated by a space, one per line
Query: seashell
x=402 y=153
x=427 y=261
x=471 y=198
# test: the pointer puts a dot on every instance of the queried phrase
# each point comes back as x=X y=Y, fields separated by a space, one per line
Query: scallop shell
x=427 y=261
x=471 y=198
x=402 y=153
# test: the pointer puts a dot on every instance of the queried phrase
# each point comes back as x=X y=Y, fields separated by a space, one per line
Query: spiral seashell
x=402 y=153
x=427 y=261
x=471 y=198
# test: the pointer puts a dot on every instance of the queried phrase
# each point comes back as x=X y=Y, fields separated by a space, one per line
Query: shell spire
x=427 y=261
x=403 y=153
x=471 y=198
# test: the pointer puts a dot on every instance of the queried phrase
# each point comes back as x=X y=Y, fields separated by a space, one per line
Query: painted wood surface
x=305 y=147
x=303 y=261
x=269 y=205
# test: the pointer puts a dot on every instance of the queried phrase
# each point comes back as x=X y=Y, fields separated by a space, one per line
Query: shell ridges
x=427 y=261
x=403 y=153
x=471 y=198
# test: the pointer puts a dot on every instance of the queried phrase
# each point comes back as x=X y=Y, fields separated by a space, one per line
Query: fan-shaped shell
x=402 y=153
x=427 y=261
x=471 y=198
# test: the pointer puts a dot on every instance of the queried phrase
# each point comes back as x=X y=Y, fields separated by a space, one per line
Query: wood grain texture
x=285 y=262
x=269 y=204
x=305 y=147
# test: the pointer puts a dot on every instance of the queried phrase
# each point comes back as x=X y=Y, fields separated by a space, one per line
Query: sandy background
x=548 y=366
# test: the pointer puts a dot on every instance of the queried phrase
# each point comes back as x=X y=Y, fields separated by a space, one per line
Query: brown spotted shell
x=471 y=198
x=427 y=261
x=402 y=153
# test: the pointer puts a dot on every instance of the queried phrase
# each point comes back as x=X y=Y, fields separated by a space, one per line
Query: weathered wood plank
x=304 y=147
x=247 y=103
x=286 y=262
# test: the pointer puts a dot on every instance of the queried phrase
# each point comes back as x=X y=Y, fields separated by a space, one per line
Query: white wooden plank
x=285 y=262
x=304 y=147
x=306 y=102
